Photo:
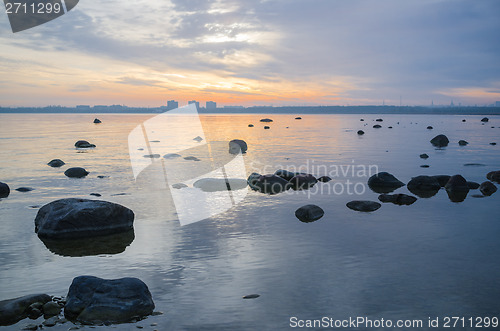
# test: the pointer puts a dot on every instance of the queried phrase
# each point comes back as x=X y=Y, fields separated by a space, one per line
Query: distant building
x=172 y=104
x=211 y=105
x=195 y=102
x=497 y=104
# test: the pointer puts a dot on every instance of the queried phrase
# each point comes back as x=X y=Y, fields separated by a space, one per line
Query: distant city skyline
x=265 y=53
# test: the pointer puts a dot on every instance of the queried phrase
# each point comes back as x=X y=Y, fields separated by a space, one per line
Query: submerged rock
x=384 y=182
x=440 y=141
x=192 y=158
x=152 y=156
x=220 y=184
x=80 y=218
x=96 y=300
x=83 y=144
x=171 y=156
x=487 y=188
x=56 y=163
x=14 y=310
x=398 y=199
x=309 y=213
x=424 y=186
x=463 y=143
x=363 y=205
x=76 y=172
x=270 y=184
x=24 y=189
x=287 y=175
x=266 y=120
x=237 y=145
x=198 y=138
x=178 y=186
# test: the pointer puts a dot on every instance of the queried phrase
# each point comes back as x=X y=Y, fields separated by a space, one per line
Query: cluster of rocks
x=282 y=180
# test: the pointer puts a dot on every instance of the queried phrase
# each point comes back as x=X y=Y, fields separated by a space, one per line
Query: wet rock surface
x=309 y=213
x=363 y=205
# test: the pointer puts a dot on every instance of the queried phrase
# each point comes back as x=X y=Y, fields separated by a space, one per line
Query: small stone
x=377 y=126
x=51 y=321
x=76 y=172
x=324 y=179
x=34 y=313
x=389 y=127
x=152 y=156
x=102 y=177
x=398 y=199
x=363 y=205
x=309 y=213
x=95 y=194
x=97 y=121
x=250 y=125
x=266 y=127
x=251 y=296
x=198 y=139
x=83 y=144
x=298 y=118
x=424 y=166
x=266 y=120
x=51 y=308
x=156 y=313
x=237 y=145
x=440 y=141
x=361 y=132
x=191 y=158
x=24 y=189
x=179 y=186
x=493 y=144
x=463 y=143
x=463 y=120
x=485 y=119
x=430 y=127
x=487 y=188
x=56 y=163
x=171 y=156
x=379 y=120
x=473 y=185
x=424 y=156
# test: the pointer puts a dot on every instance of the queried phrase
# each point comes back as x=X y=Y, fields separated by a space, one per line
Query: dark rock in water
x=494 y=176
x=364 y=206
x=424 y=186
x=324 y=179
x=440 y=141
x=102 y=177
x=377 y=126
x=309 y=213
x=361 y=119
x=463 y=143
x=171 y=156
x=97 y=121
x=485 y=119
x=430 y=127
x=266 y=128
x=442 y=179
x=397 y=199
x=287 y=175
x=95 y=194
x=76 y=172
x=493 y=144
x=56 y=163
x=83 y=144
x=52 y=321
x=237 y=145
x=474 y=165
x=192 y=158
x=119 y=194
x=24 y=189
x=266 y=120
x=178 y=186
x=384 y=182
x=198 y=138
x=250 y=125
x=14 y=310
x=379 y=120
x=424 y=156
x=154 y=141
x=389 y=127
x=220 y=184
x=361 y=132
x=473 y=185
x=81 y=218
x=457 y=183
x=463 y=120
x=251 y=296
x=298 y=118
x=424 y=166
x=96 y=300
x=457 y=196
x=108 y=245
x=152 y=156
x=51 y=308
x=302 y=182
x=270 y=184
x=487 y=188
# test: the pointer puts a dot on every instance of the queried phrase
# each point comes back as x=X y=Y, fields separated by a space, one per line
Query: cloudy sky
x=250 y=52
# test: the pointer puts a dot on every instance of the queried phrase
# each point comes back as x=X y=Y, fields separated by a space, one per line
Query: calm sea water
x=433 y=259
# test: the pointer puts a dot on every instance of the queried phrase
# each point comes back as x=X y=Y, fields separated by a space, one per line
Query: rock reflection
x=113 y=244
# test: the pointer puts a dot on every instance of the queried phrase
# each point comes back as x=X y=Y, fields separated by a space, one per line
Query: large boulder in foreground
x=14 y=310
x=80 y=218
x=93 y=300
x=237 y=145
x=4 y=190
x=440 y=141
x=384 y=182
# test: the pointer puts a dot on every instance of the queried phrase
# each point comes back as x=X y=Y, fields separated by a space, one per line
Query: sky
x=249 y=52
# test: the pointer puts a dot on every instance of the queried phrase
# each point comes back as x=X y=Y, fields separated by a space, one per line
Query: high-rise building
x=211 y=105
x=172 y=104
x=195 y=102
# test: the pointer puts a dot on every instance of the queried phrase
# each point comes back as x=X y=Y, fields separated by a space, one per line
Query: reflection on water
x=433 y=257
x=113 y=244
